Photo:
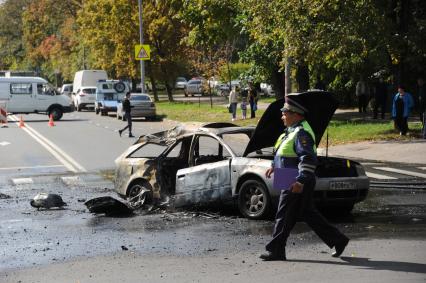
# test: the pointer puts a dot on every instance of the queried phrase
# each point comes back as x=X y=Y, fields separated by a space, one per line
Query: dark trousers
x=252 y=111
x=234 y=109
x=293 y=207
x=128 y=118
x=402 y=124
x=362 y=103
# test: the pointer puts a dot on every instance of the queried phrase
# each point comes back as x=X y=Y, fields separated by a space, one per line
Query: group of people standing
x=249 y=97
x=403 y=102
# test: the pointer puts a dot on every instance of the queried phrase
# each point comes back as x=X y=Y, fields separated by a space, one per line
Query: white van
x=84 y=82
x=33 y=95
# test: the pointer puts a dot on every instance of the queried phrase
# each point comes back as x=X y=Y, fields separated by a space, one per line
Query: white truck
x=108 y=94
x=33 y=95
x=84 y=87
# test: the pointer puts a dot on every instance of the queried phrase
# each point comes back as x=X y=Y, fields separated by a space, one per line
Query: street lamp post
x=141 y=42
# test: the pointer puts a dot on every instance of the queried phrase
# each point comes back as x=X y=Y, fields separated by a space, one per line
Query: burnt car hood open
x=321 y=106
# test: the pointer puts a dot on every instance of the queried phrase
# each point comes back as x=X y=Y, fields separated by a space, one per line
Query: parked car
x=66 y=89
x=221 y=162
x=194 y=86
x=180 y=83
x=142 y=106
x=84 y=98
x=266 y=89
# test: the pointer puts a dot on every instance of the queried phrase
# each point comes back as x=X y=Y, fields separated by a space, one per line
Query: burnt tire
x=254 y=201
x=139 y=194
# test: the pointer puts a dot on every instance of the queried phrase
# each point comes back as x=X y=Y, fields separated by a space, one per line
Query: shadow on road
x=371 y=264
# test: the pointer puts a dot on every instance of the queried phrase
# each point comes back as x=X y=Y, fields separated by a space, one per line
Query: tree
x=49 y=36
x=213 y=34
x=12 y=51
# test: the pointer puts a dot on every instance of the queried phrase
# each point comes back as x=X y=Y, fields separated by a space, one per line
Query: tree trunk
x=302 y=76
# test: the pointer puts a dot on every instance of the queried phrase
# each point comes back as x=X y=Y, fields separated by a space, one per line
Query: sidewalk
x=399 y=151
x=413 y=151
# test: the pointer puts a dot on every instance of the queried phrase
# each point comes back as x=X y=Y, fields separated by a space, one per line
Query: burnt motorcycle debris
x=109 y=206
x=196 y=164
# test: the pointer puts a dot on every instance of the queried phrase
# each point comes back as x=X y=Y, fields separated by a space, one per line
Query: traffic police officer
x=295 y=148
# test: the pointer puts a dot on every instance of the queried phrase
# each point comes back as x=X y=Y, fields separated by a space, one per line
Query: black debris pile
x=47 y=201
x=109 y=206
x=4 y=196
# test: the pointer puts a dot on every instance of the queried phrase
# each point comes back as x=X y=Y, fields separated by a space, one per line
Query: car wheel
x=139 y=194
x=56 y=113
x=254 y=201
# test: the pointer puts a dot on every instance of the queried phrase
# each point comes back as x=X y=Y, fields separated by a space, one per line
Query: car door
x=208 y=178
x=45 y=96
x=21 y=97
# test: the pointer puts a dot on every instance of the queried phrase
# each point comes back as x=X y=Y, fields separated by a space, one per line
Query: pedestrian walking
x=252 y=94
x=244 y=107
x=233 y=101
x=401 y=108
x=296 y=149
x=127 y=115
x=362 y=92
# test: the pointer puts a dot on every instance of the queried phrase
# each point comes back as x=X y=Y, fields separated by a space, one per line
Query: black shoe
x=120 y=132
x=131 y=136
x=340 y=248
x=272 y=256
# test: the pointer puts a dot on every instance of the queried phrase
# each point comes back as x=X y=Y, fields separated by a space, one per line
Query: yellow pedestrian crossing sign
x=142 y=52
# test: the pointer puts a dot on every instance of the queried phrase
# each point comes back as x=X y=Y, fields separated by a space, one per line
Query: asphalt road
x=208 y=245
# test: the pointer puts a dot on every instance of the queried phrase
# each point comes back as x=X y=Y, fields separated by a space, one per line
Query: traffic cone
x=3 y=124
x=51 y=123
x=21 y=123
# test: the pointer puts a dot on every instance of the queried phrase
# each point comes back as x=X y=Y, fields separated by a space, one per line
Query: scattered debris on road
x=47 y=201
x=109 y=206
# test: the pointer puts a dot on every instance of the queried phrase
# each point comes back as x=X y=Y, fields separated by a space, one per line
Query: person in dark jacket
x=296 y=149
x=127 y=115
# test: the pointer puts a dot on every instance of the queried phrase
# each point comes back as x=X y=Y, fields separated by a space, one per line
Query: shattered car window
x=237 y=142
x=149 y=150
x=208 y=150
x=175 y=151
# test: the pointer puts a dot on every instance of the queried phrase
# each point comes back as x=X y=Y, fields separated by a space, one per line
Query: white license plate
x=342 y=186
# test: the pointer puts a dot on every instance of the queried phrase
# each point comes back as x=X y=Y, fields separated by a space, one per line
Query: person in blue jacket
x=401 y=108
x=296 y=149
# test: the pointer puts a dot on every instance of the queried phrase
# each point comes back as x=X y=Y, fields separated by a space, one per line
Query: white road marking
x=4 y=143
x=64 y=158
x=400 y=171
x=378 y=176
x=423 y=168
x=31 y=167
x=22 y=181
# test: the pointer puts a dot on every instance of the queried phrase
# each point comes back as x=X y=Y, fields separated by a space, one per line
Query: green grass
x=190 y=112
x=343 y=130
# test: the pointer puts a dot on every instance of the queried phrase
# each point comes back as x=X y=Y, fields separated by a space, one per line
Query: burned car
x=221 y=162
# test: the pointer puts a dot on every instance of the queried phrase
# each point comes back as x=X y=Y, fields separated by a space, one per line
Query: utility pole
x=141 y=42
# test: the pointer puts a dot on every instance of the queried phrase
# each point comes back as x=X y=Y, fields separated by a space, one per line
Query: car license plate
x=342 y=186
